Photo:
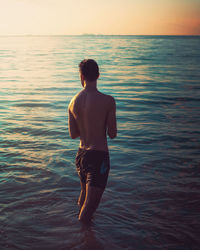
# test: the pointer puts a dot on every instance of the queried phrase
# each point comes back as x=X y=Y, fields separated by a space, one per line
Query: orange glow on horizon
x=139 y=17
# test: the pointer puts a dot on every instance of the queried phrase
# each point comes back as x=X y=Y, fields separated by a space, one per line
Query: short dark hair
x=90 y=69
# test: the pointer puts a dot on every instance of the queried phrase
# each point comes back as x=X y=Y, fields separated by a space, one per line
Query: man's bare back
x=94 y=113
x=92 y=116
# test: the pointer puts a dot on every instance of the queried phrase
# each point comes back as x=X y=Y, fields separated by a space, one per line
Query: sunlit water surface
x=152 y=200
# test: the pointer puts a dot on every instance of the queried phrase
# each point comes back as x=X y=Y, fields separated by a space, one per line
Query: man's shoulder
x=108 y=100
x=78 y=95
x=72 y=103
x=75 y=98
x=108 y=97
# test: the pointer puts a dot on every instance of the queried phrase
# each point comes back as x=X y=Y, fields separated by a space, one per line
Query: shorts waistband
x=92 y=150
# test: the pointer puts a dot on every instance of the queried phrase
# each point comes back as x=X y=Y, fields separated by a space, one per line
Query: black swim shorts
x=93 y=167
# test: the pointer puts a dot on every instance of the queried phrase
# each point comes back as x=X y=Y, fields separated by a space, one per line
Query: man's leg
x=92 y=199
x=82 y=194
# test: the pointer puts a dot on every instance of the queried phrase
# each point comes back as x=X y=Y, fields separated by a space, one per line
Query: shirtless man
x=92 y=115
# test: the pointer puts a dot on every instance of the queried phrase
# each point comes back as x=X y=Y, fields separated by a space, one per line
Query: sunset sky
x=123 y=17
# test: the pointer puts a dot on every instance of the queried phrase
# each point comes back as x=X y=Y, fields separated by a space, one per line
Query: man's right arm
x=73 y=126
x=111 y=120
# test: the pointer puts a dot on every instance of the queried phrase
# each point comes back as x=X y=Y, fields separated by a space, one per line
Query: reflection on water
x=152 y=197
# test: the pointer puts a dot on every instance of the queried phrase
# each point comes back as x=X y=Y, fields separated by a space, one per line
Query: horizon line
x=97 y=35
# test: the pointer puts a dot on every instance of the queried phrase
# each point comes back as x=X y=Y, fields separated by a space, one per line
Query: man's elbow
x=112 y=134
x=74 y=135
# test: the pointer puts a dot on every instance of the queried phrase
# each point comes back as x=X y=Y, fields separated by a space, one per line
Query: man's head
x=89 y=70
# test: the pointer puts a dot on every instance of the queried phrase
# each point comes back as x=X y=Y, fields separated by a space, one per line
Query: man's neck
x=90 y=86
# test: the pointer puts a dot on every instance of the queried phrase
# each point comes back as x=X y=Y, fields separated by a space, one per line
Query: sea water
x=152 y=200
